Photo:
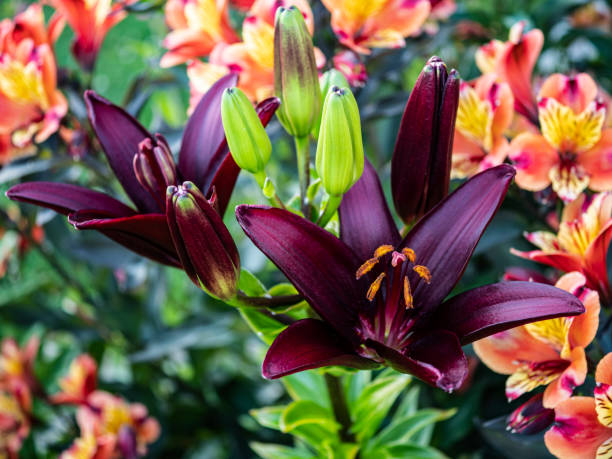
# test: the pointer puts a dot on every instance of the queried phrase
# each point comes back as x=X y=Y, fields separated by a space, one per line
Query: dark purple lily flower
x=381 y=298
x=145 y=167
x=421 y=163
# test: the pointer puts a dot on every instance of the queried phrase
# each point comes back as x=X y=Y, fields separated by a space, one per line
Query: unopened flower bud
x=154 y=167
x=327 y=81
x=205 y=247
x=531 y=417
x=296 y=81
x=246 y=137
x=420 y=167
x=340 y=157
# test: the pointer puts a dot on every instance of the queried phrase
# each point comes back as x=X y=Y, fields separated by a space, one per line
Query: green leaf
x=271 y=451
x=269 y=416
x=403 y=430
x=375 y=402
x=354 y=384
x=303 y=412
x=413 y=452
x=341 y=450
x=264 y=327
x=250 y=285
x=409 y=404
x=307 y=385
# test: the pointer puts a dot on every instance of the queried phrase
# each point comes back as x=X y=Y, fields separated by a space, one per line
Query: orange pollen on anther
x=382 y=251
x=408 y=294
x=375 y=287
x=409 y=254
x=423 y=272
x=366 y=267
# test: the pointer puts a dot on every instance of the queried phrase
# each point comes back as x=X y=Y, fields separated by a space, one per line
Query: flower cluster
x=559 y=134
x=110 y=426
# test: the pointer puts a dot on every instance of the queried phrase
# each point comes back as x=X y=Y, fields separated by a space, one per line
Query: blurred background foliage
x=191 y=360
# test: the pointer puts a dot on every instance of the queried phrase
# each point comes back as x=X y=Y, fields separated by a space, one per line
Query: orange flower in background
x=17 y=364
x=377 y=23
x=546 y=353
x=485 y=112
x=31 y=106
x=252 y=58
x=196 y=27
x=583 y=425
x=15 y=406
x=574 y=148
x=79 y=383
x=111 y=427
x=581 y=243
x=90 y=20
x=513 y=63
x=352 y=67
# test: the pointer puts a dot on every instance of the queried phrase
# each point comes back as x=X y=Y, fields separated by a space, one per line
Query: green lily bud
x=339 y=159
x=246 y=137
x=327 y=81
x=296 y=81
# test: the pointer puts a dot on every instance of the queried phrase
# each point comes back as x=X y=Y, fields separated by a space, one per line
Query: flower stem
x=302 y=148
x=330 y=209
x=341 y=411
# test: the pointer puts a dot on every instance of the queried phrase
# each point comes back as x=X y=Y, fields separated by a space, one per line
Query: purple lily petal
x=365 y=220
x=435 y=357
x=225 y=177
x=307 y=344
x=486 y=310
x=445 y=238
x=320 y=266
x=119 y=134
x=148 y=235
x=202 y=152
x=64 y=198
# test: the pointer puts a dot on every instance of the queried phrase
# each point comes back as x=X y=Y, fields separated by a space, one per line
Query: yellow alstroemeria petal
x=603 y=404
x=23 y=83
x=530 y=375
x=568 y=181
x=567 y=131
x=605 y=450
x=552 y=331
x=204 y=15
x=475 y=117
x=258 y=36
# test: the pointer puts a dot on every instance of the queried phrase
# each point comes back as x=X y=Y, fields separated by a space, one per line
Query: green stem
x=341 y=411
x=330 y=209
x=272 y=302
x=302 y=148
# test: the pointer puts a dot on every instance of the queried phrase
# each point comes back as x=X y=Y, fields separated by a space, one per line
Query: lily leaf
x=404 y=430
x=269 y=416
x=270 y=451
x=304 y=412
x=264 y=327
x=374 y=403
x=341 y=450
x=307 y=385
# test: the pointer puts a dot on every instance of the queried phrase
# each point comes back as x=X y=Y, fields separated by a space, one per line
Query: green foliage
x=382 y=426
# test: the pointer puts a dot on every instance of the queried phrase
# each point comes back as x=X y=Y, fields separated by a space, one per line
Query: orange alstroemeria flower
x=377 y=23
x=15 y=406
x=574 y=148
x=252 y=58
x=513 y=63
x=31 y=107
x=583 y=425
x=79 y=383
x=90 y=20
x=485 y=112
x=197 y=26
x=111 y=427
x=546 y=353
x=17 y=363
x=581 y=243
